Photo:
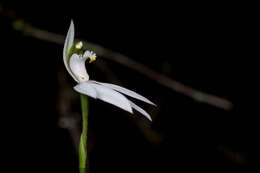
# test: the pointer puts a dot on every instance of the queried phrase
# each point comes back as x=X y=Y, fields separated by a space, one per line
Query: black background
x=206 y=46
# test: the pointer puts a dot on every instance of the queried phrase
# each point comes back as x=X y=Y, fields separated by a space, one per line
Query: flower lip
x=77 y=66
x=91 y=55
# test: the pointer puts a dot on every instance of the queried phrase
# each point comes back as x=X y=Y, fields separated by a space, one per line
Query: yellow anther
x=92 y=59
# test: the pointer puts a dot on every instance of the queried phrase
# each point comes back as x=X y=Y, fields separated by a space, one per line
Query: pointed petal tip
x=71 y=22
x=149 y=117
x=139 y=109
x=150 y=102
x=153 y=104
x=132 y=112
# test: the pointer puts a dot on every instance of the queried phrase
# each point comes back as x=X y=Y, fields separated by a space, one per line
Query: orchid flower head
x=74 y=57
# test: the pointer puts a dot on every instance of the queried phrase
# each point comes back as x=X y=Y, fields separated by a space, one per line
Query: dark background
x=206 y=46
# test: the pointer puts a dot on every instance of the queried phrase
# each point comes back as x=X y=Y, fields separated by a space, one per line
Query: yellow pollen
x=92 y=59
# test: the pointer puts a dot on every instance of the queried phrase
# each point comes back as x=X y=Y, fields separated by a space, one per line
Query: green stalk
x=83 y=137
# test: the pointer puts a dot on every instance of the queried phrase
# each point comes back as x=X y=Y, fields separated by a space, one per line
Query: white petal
x=67 y=45
x=69 y=39
x=126 y=92
x=113 y=97
x=140 y=110
x=85 y=88
x=78 y=68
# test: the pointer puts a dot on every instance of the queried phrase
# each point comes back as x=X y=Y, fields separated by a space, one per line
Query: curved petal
x=110 y=96
x=78 y=68
x=140 y=110
x=126 y=92
x=67 y=45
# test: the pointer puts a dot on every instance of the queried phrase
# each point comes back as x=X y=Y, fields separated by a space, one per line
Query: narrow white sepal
x=78 y=68
x=113 y=97
x=66 y=49
x=85 y=88
x=126 y=92
x=140 y=110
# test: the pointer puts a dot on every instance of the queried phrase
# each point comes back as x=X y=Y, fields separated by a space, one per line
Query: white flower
x=74 y=60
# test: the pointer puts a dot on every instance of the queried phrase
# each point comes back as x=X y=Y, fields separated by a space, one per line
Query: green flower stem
x=83 y=137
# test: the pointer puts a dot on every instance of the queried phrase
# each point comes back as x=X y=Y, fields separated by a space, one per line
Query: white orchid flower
x=74 y=59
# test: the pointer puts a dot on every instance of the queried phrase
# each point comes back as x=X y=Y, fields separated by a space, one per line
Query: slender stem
x=83 y=137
